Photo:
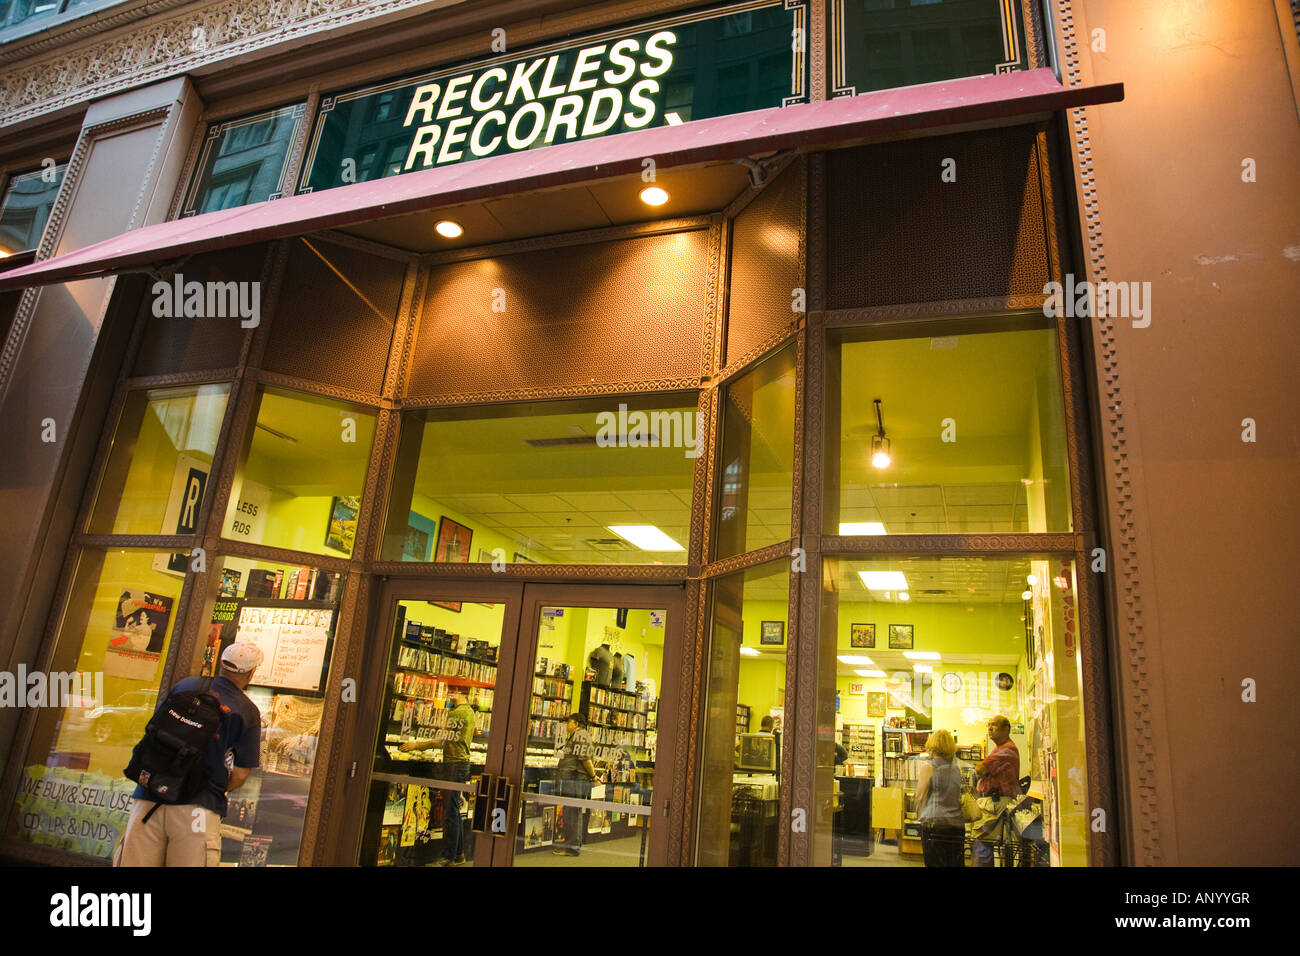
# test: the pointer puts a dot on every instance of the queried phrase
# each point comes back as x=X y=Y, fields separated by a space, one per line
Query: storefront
x=785 y=458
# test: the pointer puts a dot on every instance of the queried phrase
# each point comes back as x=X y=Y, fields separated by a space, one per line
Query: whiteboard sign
x=294 y=642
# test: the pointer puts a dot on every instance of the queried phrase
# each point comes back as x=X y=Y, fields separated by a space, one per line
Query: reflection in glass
x=596 y=481
x=244 y=160
x=102 y=689
x=300 y=485
x=436 y=720
x=28 y=199
x=974 y=426
x=604 y=666
x=916 y=645
x=888 y=44
x=743 y=734
x=757 y=458
x=158 y=469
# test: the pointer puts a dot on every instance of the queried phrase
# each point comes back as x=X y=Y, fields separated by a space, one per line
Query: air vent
x=566 y=440
x=608 y=544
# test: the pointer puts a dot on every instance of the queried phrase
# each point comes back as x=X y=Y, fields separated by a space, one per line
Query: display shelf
x=742 y=718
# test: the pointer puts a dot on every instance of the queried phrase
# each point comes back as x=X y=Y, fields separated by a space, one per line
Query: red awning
x=931 y=106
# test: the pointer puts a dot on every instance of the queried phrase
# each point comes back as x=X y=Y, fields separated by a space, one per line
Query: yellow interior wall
x=484 y=538
x=196 y=419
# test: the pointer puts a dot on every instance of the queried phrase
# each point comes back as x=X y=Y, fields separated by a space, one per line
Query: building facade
x=772 y=383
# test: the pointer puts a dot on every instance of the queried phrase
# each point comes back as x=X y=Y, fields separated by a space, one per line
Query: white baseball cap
x=243 y=656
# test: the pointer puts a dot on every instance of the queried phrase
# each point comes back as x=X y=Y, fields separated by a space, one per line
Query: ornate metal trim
x=919 y=544
x=739 y=562
x=553 y=391
x=596 y=573
x=1125 y=576
x=835 y=318
x=216 y=376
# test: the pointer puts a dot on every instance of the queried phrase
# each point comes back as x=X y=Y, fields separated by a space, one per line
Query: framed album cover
x=453 y=542
x=862 y=635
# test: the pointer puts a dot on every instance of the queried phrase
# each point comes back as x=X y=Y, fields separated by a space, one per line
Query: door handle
x=482 y=804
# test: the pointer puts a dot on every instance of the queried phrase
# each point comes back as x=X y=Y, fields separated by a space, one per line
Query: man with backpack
x=202 y=743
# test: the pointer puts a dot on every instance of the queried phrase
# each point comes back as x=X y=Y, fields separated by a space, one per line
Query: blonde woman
x=938 y=799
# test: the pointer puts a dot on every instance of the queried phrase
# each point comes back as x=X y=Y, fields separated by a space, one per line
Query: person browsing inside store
x=455 y=742
x=576 y=774
x=938 y=795
x=998 y=784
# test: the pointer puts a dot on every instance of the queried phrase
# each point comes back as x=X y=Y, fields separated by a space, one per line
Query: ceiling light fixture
x=646 y=537
x=749 y=652
x=922 y=655
x=1031 y=580
x=923 y=668
x=861 y=527
x=654 y=196
x=448 y=229
x=904 y=596
x=855 y=659
x=879 y=443
x=1026 y=594
x=870 y=673
x=884 y=580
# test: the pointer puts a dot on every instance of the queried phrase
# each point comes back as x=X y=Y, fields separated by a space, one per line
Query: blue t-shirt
x=238 y=743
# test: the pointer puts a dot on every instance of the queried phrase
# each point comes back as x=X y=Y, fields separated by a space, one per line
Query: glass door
x=440 y=720
x=594 y=667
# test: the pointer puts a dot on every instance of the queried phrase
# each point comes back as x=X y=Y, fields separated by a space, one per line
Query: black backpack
x=168 y=760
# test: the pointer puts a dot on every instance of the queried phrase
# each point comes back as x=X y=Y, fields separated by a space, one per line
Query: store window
x=945 y=434
x=290 y=611
x=244 y=160
x=437 y=717
x=299 y=486
x=757 y=458
x=937 y=652
x=158 y=468
x=891 y=43
x=596 y=481
x=99 y=693
x=740 y=764
x=28 y=199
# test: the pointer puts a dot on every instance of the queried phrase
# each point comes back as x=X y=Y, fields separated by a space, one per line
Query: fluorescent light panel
x=866 y=673
x=923 y=655
x=861 y=527
x=884 y=580
x=646 y=537
x=855 y=659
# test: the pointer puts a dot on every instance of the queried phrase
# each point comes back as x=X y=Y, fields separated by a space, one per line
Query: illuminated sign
x=731 y=59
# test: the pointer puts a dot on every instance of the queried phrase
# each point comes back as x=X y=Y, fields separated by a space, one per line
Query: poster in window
x=453 y=542
x=139 y=631
x=341 y=531
x=862 y=635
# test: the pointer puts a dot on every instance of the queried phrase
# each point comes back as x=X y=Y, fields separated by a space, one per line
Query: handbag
x=970 y=810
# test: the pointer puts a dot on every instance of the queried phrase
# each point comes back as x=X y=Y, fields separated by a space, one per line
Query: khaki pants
x=182 y=835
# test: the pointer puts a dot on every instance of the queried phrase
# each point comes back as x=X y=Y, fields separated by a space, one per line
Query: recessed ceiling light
x=861 y=527
x=904 y=596
x=654 y=196
x=749 y=652
x=646 y=537
x=862 y=673
x=923 y=655
x=854 y=659
x=448 y=229
x=883 y=580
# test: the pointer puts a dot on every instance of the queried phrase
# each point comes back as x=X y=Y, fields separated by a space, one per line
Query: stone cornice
x=145 y=42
